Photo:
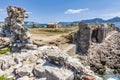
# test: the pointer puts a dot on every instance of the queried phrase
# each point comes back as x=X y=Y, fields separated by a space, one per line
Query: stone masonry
x=91 y=33
x=14 y=29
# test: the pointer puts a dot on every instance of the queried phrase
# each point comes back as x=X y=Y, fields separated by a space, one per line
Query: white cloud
x=75 y=11
x=29 y=12
x=111 y=14
x=2 y=9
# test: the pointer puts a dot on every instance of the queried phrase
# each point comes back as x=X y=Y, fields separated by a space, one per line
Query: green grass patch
x=3 y=78
x=5 y=50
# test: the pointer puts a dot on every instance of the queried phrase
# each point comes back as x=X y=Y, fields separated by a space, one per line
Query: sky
x=44 y=11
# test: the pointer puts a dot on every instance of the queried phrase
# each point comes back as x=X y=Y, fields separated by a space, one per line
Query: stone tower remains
x=15 y=30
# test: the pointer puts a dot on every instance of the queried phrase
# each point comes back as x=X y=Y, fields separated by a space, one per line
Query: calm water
x=111 y=77
x=39 y=25
x=117 y=24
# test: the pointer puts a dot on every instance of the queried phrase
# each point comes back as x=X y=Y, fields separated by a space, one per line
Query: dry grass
x=51 y=31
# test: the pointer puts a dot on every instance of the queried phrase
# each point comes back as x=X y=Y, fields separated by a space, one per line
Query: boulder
x=52 y=72
x=54 y=55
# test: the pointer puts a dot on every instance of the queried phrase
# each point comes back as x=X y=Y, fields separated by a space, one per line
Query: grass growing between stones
x=5 y=50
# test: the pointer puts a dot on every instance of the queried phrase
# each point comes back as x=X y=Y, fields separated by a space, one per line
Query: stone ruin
x=98 y=47
x=91 y=33
x=15 y=30
x=46 y=62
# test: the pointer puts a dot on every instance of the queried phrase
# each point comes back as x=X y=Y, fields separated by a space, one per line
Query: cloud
x=112 y=14
x=2 y=9
x=75 y=11
x=29 y=12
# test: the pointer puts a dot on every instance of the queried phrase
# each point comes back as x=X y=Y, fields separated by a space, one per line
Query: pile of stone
x=44 y=63
x=14 y=29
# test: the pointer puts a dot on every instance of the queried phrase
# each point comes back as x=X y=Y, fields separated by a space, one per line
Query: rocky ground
x=44 y=63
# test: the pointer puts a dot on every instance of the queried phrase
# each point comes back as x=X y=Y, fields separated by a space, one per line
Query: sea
x=38 y=25
x=117 y=24
x=111 y=76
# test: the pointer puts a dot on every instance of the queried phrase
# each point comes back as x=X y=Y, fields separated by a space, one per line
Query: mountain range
x=98 y=20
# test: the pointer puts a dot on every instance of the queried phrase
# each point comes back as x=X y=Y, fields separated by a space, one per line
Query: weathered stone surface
x=24 y=78
x=91 y=33
x=25 y=70
x=6 y=62
x=4 y=42
x=54 y=73
x=9 y=73
x=31 y=58
x=71 y=50
x=21 y=57
x=87 y=78
x=83 y=38
x=1 y=72
x=42 y=79
x=13 y=28
x=40 y=61
x=105 y=53
x=54 y=55
x=39 y=71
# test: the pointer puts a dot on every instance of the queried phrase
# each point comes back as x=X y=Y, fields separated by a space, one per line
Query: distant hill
x=115 y=19
x=66 y=23
x=99 y=20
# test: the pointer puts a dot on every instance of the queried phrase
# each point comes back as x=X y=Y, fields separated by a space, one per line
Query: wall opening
x=94 y=37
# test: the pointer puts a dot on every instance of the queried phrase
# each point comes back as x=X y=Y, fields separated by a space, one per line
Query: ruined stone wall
x=83 y=38
x=91 y=33
x=14 y=29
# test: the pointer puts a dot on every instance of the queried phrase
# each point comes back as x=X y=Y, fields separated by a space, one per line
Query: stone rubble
x=43 y=68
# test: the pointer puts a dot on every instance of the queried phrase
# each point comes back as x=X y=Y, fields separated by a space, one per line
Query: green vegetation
x=55 y=30
x=71 y=25
x=5 y=50
x=3 y=78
